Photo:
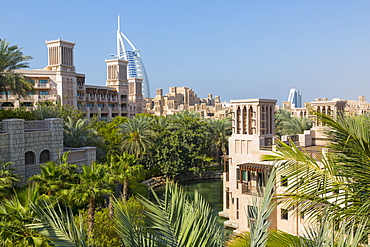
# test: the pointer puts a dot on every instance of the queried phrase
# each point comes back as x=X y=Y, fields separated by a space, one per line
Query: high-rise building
x=295 y=98
x=135 y=67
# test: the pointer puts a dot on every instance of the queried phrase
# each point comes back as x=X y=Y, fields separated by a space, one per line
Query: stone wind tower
x=252 y=136
x=61 y=62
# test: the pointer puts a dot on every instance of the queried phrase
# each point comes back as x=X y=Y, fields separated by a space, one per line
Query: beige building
x=59 y=81
x=330 y=107
x=252 y=136
x=184 y=98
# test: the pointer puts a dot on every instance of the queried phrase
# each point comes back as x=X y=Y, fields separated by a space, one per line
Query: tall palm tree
x=122 y=169
x=137 y=136
x=11 y=59
x=93 y=184
x=219 y=131
x=77 y=133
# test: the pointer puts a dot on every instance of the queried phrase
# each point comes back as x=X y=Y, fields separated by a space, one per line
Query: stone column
x=16 y=145
x=56 y=134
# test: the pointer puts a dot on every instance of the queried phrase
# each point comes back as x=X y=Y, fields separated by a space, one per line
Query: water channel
x=211 y=190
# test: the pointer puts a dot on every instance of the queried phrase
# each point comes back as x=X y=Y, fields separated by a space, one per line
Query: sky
x=236 y=49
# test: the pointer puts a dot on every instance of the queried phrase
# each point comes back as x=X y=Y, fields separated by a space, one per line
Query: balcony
x=46 y=97
x=102 y=99
x=123 y=108
x=89 y=98
x=114 y=108
x=10 y=97
x=112 y=99
x=104 y=108
x=93 y=109
x=81 y=98
x=81 y=87
x=42 y=85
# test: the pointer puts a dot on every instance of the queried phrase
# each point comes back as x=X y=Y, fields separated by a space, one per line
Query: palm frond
x=58 y=225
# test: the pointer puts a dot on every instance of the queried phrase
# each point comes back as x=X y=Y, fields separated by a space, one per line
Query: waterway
x=211 y=190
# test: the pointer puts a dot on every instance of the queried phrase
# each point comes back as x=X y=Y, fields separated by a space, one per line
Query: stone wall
x=25 y=144
x=155 y=182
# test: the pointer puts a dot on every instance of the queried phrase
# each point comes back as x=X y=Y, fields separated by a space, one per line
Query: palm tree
x=137 y=136
x=78 y=134
x=93 y=184
x=15 y=214
x=219 y=131
x=122 y=169
x=338 y=183
x=55 y=177
x=11 y=59
x=288 y=125
x=174 y=220
x=7 y=179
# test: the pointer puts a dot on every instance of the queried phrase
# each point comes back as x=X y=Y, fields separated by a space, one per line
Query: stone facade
x=27 y=144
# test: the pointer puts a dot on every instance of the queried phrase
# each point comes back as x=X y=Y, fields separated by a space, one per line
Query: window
x=111 y=105
x=261 y=179
x=30 y=158
x=43 y=81
x=44 y=156
x=44 y=93
x=31 y=81
x=30 y=93
x=90 y=104
x=284 y=181
x=245 y=175
x=100 y=105
x=284 y=214
x=5 y=93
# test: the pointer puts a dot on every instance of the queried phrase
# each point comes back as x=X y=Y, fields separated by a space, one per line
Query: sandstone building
x=184 y=98
x=59 y=81
x=253 y=130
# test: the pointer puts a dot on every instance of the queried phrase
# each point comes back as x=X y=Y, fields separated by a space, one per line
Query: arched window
x=244 y=120
x=250 y=121
x=44 y=156
x=238 y=119
x=30 y=158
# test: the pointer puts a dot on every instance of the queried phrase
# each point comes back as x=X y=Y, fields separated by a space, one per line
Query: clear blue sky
x=236 y=49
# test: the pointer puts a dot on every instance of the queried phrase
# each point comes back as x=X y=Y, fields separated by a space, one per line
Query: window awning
x=254 y=167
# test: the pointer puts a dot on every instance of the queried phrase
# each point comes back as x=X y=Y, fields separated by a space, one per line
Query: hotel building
x=59 y=82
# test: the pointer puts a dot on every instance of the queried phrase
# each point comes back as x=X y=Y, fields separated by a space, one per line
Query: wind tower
x=135 y=67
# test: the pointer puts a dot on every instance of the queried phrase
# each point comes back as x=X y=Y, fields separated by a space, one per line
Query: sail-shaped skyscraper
x=135 y=67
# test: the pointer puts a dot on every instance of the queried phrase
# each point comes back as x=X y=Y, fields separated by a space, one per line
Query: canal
x=211 y=190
